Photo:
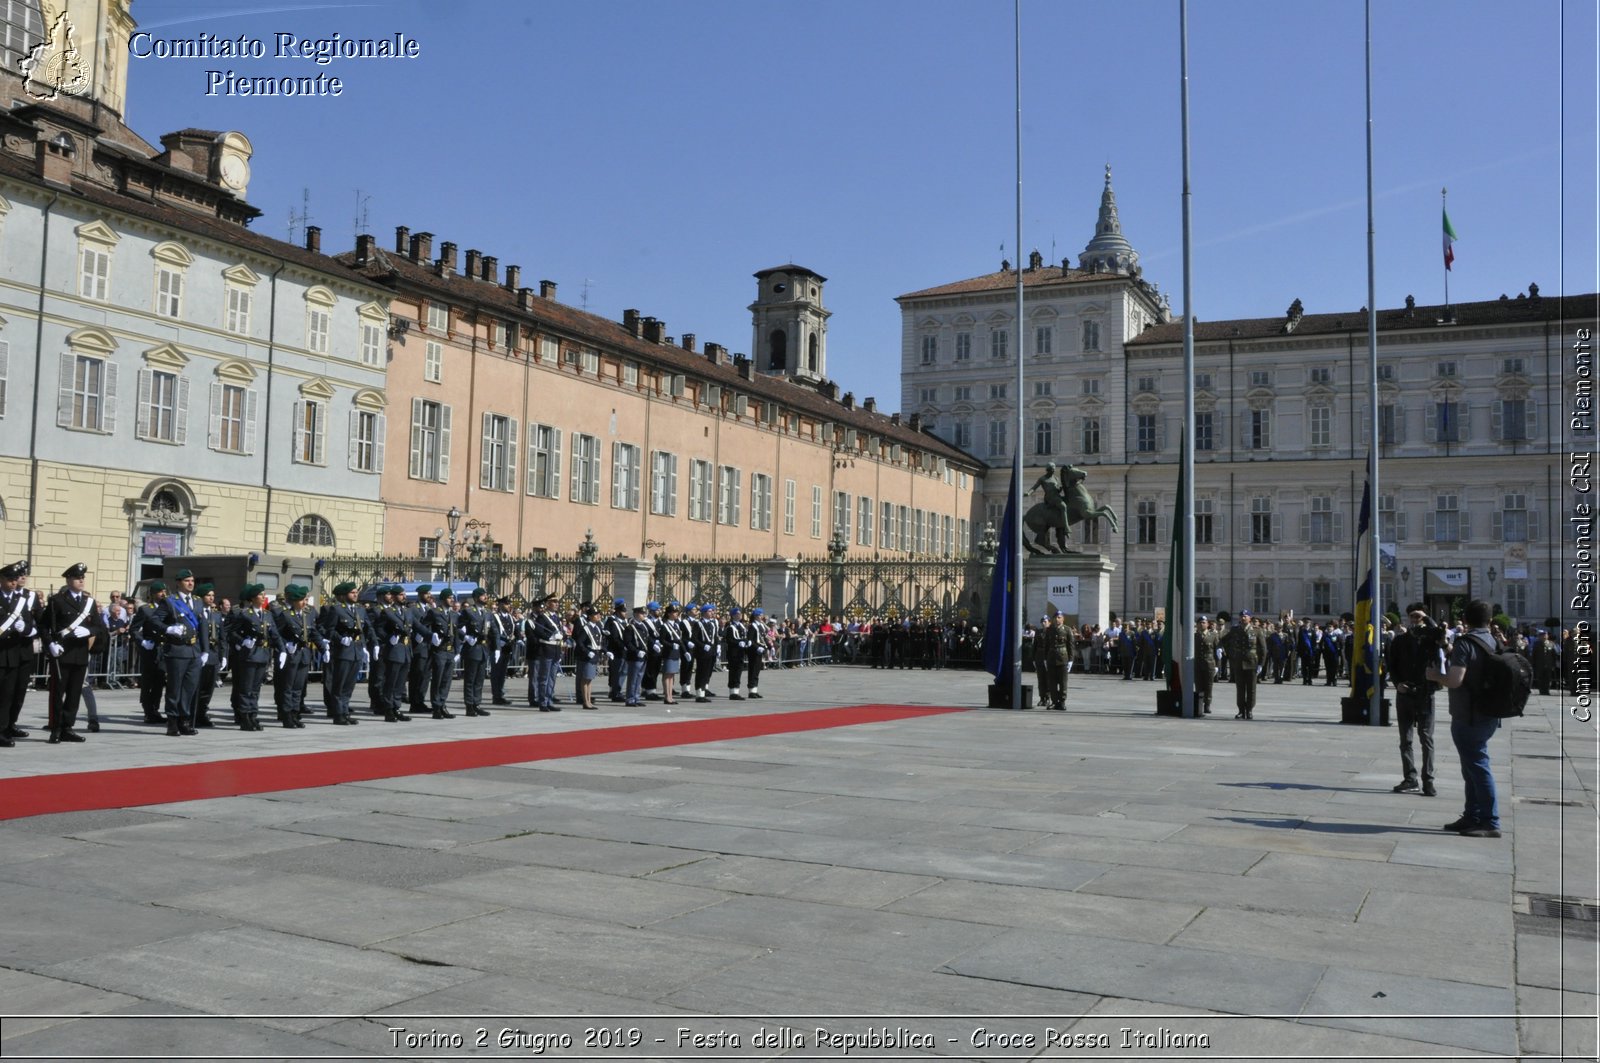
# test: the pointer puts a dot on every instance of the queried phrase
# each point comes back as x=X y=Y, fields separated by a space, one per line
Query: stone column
x=780 y=587
x=630 y=579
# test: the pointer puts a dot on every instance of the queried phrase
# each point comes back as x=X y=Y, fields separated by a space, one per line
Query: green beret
x=424 y=588
x=157 y=585
x=203 y=589
x=344 y=588
x=447 y=593
x=296 y=593
x=252 y=590
x=480 y=592
x=183 y=573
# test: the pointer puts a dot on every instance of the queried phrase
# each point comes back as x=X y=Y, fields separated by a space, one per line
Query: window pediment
x=1044 y=315
x=1321 y=394
x=998 y=318
x=1446 y=391
x=370 y=399
x=1146 y=404
x=242 y=274
x=1258 y=397
x=98 y=232
x=237 y=371
x=929 y=324
x=320 y=295
x=317 y=388
x=963 y=319
x=91 y=340
x=172 y=254
x=373 y=312
x=1091 y=309
x=1205 y=402
x=166 y=356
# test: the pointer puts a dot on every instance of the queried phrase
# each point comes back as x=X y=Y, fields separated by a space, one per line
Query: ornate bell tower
x=790 y=326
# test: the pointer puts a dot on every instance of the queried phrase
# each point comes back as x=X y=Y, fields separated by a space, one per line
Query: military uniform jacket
x=545 y=635
x=391 y=626
x=146 y=624
x=1241 y=647
x=615 y=627
x=1205 y=652
x=19 y=615
x=636 y=639
x=256 y=627
x=420 y=616
x=589 y=639
x=673 y=637
x=1059 y=644
x=297 y=629
x=710 y=635
x=735 y=639
x=170 y=614
x=479 y=630
x=210 y=631
x=338 y=621
x=443 y=624
x=61 y=617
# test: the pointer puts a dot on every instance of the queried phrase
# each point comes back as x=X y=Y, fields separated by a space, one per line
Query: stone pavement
x=984 y=884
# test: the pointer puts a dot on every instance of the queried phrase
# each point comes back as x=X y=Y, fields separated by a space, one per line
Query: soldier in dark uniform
x=343 y=627
x=546 y=637
x=179 y=626
x=501 y=664
x=420 y=675
x=71 y=626
x=392 y=630
x=708 y=636
x=674 y=636
x=735 y=640
x=615 y=627
x=374 y=608
x=441 y=638
x=19 y=627
x=252 y=640
x=302 y=641
x=636 y=639
x=1205 y=665
x=479 y=636
x=212 y=653
x=652 y=663
x=757 y=651
x=589 y=648
x=1546 y=659
x=145 y=631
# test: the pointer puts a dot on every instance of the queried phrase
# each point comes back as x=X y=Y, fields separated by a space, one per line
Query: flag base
x=1168 y=703
x=1354 y=710
x=1000 y=696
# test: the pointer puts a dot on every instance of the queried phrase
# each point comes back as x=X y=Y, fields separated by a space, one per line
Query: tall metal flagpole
x=1018 y=595
x=1374 y=707
x=1183 y=629
x=1444 y=206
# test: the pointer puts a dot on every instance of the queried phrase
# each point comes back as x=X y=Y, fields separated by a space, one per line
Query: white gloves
x=394 y=640
x=175 y=630
x=639 y=656
x=745 y=645
x=222 y=665
x=437 y=640
x=248 y=644
x=55 y=649
x=81 y=632
x=610 y=656
x=204 y=657
x=283 y=659
x=591 y=655
x=147 y=644
x=655 y=647
x=472 y=641
x=345 y=641
x=327 y=656
x=496 y=657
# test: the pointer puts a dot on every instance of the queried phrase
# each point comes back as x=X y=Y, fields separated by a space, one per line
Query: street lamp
x=1492 y=574
x=453 y=519
x=1405 y=581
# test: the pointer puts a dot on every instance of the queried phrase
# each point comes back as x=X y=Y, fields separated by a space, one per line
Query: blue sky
x=659 y=153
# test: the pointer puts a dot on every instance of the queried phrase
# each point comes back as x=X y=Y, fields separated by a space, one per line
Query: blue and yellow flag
x=1364 y=661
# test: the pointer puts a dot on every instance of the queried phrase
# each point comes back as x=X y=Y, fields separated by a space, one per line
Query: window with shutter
x=444 y=444
x=418 y=439
x=250 y=421
x=5 y=372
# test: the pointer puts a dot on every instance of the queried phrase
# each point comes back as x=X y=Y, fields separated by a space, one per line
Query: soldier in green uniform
x=440 y=635
x=1205 y=664
x=392 y=630
x=1059 y=647
x=213 y=652
x=252 y=641
x=343 y=626
x=1245 y=646
x=297 y=627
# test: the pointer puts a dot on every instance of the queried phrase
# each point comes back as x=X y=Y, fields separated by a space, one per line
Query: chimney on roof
x=474 y=262
x=654 y=330
x=513 y=278
x=402 y=239
x=829 y=389
x=366 y=247
x=916 y=422
x=688 y=342
x=547 y=290
x=714 y=353
x=744 y=366
x=525 y=298
x=314 y=239
x=869 y=404
x=422 y=248
x=630 y=321
x=491 y=269
x=894 y=418
x=447 y=258
x=849 y=400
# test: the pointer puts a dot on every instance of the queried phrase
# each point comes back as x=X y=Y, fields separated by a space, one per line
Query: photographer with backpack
x=1485 y=687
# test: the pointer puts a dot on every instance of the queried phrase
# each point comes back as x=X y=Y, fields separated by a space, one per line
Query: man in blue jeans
x=1480 y=818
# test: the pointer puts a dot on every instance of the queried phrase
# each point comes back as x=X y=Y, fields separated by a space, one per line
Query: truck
x=230 y=572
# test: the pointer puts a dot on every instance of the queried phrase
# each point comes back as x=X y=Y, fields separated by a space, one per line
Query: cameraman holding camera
x=1411 y=653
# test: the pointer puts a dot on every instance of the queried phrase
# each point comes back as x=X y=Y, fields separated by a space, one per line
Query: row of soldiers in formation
x=410 y=652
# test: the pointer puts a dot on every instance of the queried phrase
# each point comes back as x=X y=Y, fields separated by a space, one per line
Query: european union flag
x=1000 y=634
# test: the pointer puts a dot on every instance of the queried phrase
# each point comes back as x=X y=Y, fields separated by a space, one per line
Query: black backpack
x=1503 y=684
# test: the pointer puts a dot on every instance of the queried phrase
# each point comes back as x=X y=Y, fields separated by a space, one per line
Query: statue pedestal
x=1078 y=585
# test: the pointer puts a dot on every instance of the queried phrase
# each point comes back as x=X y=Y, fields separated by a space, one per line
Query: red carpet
x=39 y=795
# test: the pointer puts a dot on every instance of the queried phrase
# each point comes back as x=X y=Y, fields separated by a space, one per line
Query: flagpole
x=1374 y=706
x=1019 y=595
x=1183 y=623
x=1444 y=204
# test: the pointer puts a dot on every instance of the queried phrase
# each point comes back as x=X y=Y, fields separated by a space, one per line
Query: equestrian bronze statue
x=1066 y=502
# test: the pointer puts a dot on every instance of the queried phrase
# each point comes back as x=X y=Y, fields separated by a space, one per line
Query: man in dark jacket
x=70 y=629
x=1411 y=653
x=19 y=626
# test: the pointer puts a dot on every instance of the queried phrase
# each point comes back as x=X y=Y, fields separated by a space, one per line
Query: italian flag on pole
x=1449 y=240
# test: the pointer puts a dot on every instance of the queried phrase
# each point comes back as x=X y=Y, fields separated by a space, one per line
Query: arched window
x=811 y=361
x=778 y=350
x=311 y=530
